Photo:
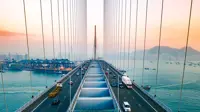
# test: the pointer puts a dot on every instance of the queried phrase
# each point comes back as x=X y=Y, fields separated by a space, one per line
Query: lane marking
x=64 y=80
x=137 y=93
x=39 y=104
x=47 y=97
x=145 y=100
x=139 y=105
x=133 y=98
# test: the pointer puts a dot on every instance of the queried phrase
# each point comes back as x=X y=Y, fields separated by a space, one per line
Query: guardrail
x=34 y=99
x=112 y=93
x=162 y=105
x=153 y=98
x=26 y=105
x=71 y=107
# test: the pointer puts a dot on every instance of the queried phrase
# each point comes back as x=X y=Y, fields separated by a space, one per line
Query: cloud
x=9 y=33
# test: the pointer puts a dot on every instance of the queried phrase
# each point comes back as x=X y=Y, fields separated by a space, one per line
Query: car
x=126 y=106
x=106 y=73
x=55 y=102
x=122 y=71
x=62 y=75
x=107 y=69
x=121 y=85
x=114 y=84
x=70 y=82
x=114 y=76
x=77 y=73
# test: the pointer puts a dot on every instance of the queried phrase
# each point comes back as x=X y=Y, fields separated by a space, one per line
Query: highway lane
x=43 y=97
x=137 y=103
x=149 y=101
x=64 y=96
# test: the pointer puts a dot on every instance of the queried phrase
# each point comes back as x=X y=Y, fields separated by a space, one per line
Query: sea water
x=18 y=87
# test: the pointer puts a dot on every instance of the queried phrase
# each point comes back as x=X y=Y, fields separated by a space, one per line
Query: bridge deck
x=92 y=92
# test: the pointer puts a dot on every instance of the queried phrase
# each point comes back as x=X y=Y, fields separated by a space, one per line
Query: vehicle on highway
x=70 y=82
x=55 y=102
x=55 y=92
x=107 y=69
x=106 y=73
x=125 y=74
x=77 y=73
x=92 y=66
x=127 y=81
x=59 y=84
x=126 y=106
x=114 y=84
x=114 y=77
x=121 y=85
x=122 y=71
x=153 y=69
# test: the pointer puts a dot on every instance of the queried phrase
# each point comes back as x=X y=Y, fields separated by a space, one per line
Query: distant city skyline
x=15 y=56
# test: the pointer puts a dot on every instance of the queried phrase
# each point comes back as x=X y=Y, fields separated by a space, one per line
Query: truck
x=59 y=84
x=56 y=91
x=127 y=81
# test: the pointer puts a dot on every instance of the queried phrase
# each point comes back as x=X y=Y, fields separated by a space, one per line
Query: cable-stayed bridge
x=96 y=84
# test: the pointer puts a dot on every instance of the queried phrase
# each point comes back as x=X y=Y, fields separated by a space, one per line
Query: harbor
x=54 y=66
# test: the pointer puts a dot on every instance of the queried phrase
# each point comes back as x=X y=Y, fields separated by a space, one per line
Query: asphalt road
x=64 y=96
x=137 y=103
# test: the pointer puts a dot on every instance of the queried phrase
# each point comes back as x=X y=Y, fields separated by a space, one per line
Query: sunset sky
x=175 y=21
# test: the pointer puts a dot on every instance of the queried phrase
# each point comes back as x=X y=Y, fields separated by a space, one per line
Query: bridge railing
x=112 y=93
x=72 y=106
x=162 y=105
x=48 y=89
x=153 y=98
x=34 y=99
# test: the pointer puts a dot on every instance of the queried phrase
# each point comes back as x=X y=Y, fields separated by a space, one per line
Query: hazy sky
x=175 y=23
x=12 y=38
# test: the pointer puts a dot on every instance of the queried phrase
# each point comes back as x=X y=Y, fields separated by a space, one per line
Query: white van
x=127 y=81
